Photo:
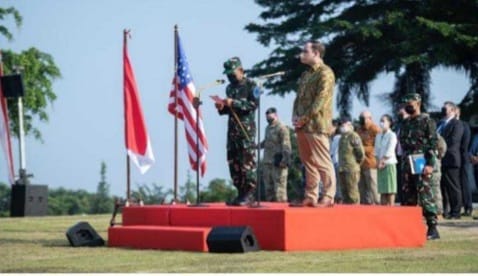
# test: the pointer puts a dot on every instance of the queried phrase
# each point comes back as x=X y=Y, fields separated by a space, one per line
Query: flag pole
x=175 y=199
x=128 y=171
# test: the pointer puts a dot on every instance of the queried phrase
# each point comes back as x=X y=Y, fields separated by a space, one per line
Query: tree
x=16 y=17
x=4 y=200
x=38 y=70
x=102 y=202
x=151 y=194
x=187 y=193
x=218 y=190
x=407 y=38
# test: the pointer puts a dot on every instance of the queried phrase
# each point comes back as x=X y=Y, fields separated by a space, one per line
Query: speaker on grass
x=82 y=234
x=232 y=239
x=12 y=86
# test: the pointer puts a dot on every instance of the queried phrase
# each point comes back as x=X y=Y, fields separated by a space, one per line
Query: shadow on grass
x=43 y=242
x=459 y=224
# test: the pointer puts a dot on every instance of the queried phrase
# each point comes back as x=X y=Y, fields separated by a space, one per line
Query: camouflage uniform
x=241 y=148
x=436 y=177
x=351 y=155
x=276 y=142
x=418 y=135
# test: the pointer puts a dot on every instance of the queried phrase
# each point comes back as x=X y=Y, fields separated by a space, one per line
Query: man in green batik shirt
x=418 y=136
x=240 y=105
x=312 y=119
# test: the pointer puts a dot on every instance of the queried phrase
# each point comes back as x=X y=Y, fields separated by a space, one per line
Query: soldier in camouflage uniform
x=240 y=105
x=418 y=136
x=277 y=152
x=436 y=177
x=351 y=155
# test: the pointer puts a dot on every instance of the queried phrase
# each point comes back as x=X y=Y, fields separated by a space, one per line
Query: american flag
x=185 y=93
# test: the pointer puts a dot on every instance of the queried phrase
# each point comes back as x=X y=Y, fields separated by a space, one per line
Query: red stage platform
x=276 y=226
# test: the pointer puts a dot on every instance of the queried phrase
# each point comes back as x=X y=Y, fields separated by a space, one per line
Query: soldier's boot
x=235 y=201
x=246 y=198
x=432 y=232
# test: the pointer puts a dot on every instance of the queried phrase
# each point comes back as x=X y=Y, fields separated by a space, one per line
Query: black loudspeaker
x=29 y=200
x=233 y=239
x=12 y=86
x=82 y=234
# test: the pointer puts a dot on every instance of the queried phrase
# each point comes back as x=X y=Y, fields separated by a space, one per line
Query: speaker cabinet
x=29 y=200
x=82 y=234
x=12 y=86
x=233 y=239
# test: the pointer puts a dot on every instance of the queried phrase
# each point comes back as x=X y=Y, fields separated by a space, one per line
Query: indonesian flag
x=137 y=139
x=5 y=131
x=183 y=92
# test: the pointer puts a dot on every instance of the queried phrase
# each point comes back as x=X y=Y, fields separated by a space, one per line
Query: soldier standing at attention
x=277 y=152
x=240 y=105
x=351 y=155
x=312 y=119
x=418 y=136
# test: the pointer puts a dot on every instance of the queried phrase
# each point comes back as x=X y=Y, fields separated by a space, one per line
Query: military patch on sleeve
x=355 y=141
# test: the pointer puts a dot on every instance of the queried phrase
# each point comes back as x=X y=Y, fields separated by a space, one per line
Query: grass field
x=40 y=245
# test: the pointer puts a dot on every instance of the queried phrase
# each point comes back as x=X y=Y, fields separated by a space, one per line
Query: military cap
x=411 y=97
x=232 y=64
x=474 y=120
x=271 y=110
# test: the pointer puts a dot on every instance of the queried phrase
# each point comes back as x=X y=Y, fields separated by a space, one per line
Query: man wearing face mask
x=452 y=131
x=277 y=151
x=240 y=105
x=367 y=131
x=418 y=136
x=351 y=155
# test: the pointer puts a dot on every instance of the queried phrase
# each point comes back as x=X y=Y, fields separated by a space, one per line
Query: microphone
x=280 y=73
x=220 y=81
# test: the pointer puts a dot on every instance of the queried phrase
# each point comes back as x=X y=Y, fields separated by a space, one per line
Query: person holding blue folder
x=418 y=137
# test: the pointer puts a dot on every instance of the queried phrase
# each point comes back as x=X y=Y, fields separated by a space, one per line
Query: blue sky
x=86 y=121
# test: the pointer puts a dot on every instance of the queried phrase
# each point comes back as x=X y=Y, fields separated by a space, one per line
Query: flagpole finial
x=127 y=33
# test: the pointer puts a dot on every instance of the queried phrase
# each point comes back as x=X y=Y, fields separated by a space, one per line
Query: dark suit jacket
x=452 y=133
x=465 y=142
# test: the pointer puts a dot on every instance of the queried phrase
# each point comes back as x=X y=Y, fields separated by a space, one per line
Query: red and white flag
x=183 y=92
x=137 y=139
x=5 y=131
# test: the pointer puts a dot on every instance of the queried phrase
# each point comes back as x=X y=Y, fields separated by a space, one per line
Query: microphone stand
x=259 y=166
x=196 y=103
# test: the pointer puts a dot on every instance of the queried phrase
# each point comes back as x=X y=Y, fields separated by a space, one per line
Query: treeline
x=63 y=201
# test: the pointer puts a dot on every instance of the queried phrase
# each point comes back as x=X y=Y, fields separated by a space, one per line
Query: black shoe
x=467 y=213
x=432 y=233
x=452 y=217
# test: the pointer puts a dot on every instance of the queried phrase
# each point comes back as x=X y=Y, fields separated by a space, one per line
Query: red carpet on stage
x=276 y=226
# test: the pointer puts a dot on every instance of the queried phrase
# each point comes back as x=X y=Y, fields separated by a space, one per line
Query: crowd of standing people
x=413 y=160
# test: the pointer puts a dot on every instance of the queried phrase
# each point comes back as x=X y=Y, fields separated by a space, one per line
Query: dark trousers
x=399 y=197
x=467 y=183
x=451 y=191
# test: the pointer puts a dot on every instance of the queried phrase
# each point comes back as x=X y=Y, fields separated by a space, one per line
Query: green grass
x=40 y=245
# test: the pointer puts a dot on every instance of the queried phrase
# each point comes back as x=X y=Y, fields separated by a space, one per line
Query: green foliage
x=102 y=202
x=39 y=71
x=218 y=190
x=11 y=11
x=68 y=202
x=151 y=194
x=187 y=193
x=5 y=192
x=366 y=38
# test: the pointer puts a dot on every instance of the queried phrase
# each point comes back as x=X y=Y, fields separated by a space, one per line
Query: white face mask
x=343 y=129
x=384 y=125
